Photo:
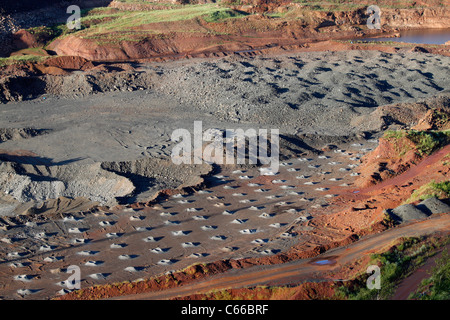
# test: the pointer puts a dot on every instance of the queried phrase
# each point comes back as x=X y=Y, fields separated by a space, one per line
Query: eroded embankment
x=251 y=32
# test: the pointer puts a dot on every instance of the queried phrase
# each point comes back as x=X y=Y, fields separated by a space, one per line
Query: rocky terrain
x=87 y=117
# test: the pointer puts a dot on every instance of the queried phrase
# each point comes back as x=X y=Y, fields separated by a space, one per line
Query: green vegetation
x=437 y=287
x=393 y=134
x=426 y=142
x=396 y=138
x=442 y=186
x=43 y=34
x=220 y=15
x=112 y=25
x=440 y=190
x=145 y=2
x=440 y=117
x=429 y=141
x=131 y=19
x=21 y=59
x=395 y=265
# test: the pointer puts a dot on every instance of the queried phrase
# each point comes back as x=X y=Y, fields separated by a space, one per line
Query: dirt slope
x=250 y=32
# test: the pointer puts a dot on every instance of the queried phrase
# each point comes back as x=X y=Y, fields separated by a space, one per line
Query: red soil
x=305 y=291
x=254 y=32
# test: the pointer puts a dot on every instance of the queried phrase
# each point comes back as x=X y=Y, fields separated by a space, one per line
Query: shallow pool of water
x=424 y=36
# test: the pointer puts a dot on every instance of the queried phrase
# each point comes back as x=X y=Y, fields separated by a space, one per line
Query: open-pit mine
x=94 y=205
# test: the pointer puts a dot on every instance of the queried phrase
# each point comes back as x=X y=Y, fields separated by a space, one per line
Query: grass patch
x=110 y=25
x=429 y=141
x=394 y=134
x=442 y=186
x=426 y=142
x=395 y=265
x=397 y=139
x=130 y=19
x=437 y=286
x=440 y=190
x=22 y=59
x=162 y=4
x=101 y=23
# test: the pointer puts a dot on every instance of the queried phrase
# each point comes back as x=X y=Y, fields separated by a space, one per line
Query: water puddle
x=423 y=36
x=328 y=261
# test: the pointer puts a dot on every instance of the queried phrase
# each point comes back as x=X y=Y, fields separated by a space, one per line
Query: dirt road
x=301 y=270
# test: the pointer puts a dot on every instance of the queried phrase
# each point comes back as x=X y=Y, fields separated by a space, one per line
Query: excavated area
x=93 y=184
x=323 y=260
x=252 y=32
x=242 y=214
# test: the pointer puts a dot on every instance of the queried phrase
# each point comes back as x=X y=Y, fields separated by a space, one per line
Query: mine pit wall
x=8 y=6
x=392 y=19
x=426 y=18
x=417 y=18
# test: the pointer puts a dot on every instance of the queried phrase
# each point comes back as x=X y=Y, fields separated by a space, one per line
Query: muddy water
x=423 y=36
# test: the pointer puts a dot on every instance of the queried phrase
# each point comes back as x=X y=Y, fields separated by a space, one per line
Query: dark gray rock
x=407 y=212
x=433 y=206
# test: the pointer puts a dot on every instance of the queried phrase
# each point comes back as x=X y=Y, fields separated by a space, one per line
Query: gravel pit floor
x=241 y=214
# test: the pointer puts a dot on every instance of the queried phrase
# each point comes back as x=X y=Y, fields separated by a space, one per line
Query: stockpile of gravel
x=409 y=212
x=433 y=206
